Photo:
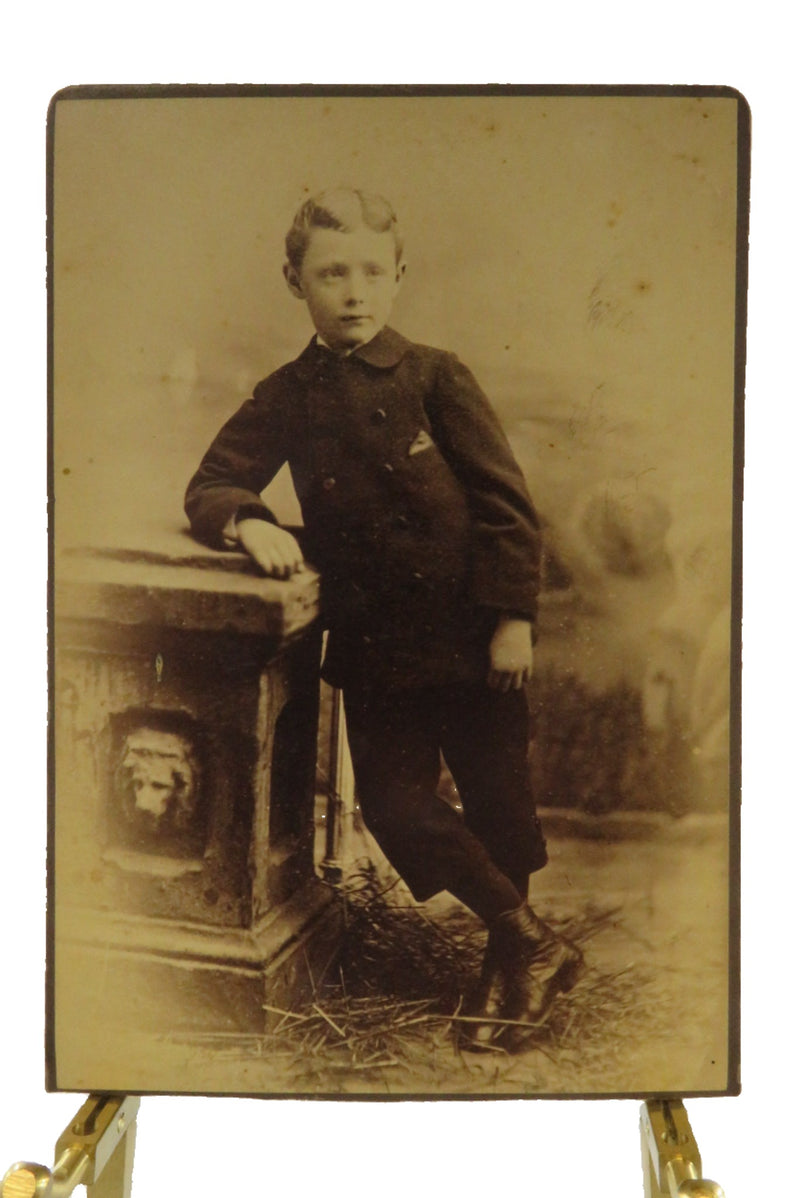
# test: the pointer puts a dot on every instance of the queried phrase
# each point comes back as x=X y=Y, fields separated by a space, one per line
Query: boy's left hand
x=510 y=654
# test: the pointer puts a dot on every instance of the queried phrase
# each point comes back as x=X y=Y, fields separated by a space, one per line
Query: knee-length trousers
x=396 y=739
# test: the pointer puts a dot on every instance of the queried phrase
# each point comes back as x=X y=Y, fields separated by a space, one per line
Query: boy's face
x=349 y=281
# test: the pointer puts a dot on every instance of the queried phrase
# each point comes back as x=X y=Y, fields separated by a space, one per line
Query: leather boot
x=485 y=1003
x=538 y=965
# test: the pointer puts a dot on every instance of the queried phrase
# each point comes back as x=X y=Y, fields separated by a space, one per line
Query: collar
x=383 y=351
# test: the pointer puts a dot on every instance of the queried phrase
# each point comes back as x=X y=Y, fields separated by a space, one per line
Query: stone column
x=185 y=700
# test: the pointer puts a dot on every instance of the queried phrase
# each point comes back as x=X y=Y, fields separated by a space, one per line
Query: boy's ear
x=401 y=270
x=293 y=280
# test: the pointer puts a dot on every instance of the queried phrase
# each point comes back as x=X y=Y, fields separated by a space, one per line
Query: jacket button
x=402 y=521
x=329 y=484
x=378 y=416
x=388 y=467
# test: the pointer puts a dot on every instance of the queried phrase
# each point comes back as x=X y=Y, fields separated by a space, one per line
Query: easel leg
x=116 y=1179
x=652 y=1186
x=670 y=1157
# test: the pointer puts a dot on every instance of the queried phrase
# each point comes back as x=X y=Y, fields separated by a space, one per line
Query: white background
x=204 y=1147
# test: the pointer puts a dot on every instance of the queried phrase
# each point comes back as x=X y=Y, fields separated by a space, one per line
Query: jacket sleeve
x=243 y=458
x=506 y=538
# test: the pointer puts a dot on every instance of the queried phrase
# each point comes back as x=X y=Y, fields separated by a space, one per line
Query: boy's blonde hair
x=344 y=209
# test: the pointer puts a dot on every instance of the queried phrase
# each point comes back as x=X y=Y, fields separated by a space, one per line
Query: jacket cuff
x=246 y=511
x=253 y=511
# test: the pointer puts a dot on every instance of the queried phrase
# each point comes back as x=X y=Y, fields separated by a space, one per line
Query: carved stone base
x=117 y=973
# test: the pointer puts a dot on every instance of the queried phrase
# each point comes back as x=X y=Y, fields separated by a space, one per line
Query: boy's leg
x=394 y=743
x=485 y=738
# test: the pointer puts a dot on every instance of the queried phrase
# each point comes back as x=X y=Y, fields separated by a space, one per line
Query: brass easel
x=96 y=1150
x=670 y=1156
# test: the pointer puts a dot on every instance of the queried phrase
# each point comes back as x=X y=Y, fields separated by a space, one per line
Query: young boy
x=418 y=518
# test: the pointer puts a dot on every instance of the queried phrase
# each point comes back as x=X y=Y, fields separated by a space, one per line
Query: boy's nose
x=356 y=289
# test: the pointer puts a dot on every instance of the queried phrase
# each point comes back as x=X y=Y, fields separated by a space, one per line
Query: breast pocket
x=421 y=442
x=431 y=493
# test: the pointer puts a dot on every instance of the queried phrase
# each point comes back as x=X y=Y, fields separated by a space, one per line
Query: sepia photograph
x=396 y=472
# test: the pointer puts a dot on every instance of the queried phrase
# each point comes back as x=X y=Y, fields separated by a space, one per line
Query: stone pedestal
x=183 y=890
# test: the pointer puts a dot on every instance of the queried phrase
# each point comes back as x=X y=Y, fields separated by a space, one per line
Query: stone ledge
x=567 y=822
x=177 y=583
x=195 y=946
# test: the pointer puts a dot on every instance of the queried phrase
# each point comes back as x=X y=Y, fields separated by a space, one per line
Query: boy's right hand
x=274 y=549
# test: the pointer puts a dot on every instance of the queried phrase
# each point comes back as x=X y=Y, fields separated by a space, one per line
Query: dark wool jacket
x=415 y=512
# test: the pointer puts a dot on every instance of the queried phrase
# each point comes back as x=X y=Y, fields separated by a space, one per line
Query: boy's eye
x=374 y=271
x=333 y=272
